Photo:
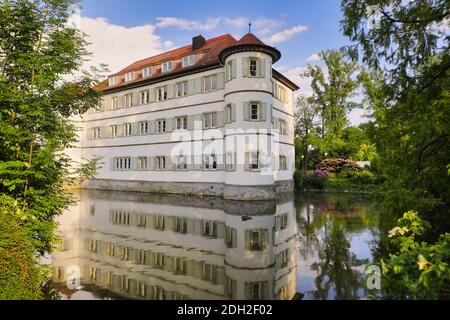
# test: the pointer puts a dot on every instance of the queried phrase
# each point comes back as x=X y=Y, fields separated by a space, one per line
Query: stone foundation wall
x=230 y=192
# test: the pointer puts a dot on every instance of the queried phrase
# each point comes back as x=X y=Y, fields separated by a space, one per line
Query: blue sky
x=320 y=17
x=124 y=31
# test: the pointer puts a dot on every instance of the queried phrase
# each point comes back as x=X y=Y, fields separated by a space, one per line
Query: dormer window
x=129 y=76
x=166 y=66
x=147 y=72
x=112 y=81
x=188 y=60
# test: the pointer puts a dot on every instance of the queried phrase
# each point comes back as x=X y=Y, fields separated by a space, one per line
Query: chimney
x=197 y=42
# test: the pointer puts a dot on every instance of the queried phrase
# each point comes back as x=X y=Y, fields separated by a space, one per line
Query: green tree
x=39 y=51
x=305 y=127
x=333 y=89
x=407 y=87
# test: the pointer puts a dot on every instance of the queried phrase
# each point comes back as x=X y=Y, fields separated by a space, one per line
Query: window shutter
x=170 y=91
x=133 y=164
x=271 y=114
x=264 y=290
x=246 y=111
x=262 y=112
x=233 y=238
x=191 y=88
x=261 y=67
x=198 y=85
x=248 y=291
x=136 y=98
x=227 y=73
x=152 y=126
x=120 y=130
x=220 y=119
x=135 y=127
x=152 y=95
x=233 y=112
x=247 y=161
x=190 y=122
x=245 y=67
x=247 y=239
x=169 y=124
x=151 y=163
x=220 y=81
x=198 y=162
x=264 y=239
x=233 y=69
x=121 y=101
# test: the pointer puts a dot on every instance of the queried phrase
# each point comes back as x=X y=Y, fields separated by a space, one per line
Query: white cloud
x=184 y=24
x=264 y=26
x=119 y=46
x=313 y=57
x=286 y=34
x=239 y=22
x=295 y=75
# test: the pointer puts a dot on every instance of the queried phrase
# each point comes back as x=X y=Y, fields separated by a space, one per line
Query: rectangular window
x=113 y=131
x=210 y=162
x=281 y=222
x=257 y=291
x=209 y=120
x=128 y=100
x=181 y=123
x=230 y=288
x=147 y=72
x=144 y=97
x=160 y=163
x=143 y=127
x=161 y=93
x=188 y=61
x=181 y=89
x=129 y=76
x=253 y=64
x=254 y=111
x=166 y=66
x=254 y=160
x=209 y=272
x=95 y=133
x=181 y=162
x=142 y=163
x=209 y=229
x=114 y=103
x=122 y=163
x=112 y=81
x=210 y=83
x=282 y=163
x=127 y=129
x=229 y=70
x=282 y=126
x=180 y=225
x=161 y=126
x=159 y=222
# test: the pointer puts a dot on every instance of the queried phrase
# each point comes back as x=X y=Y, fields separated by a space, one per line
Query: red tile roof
x=207 y=55
x=250 y=38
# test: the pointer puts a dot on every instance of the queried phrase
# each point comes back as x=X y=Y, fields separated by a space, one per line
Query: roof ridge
x=208 y=41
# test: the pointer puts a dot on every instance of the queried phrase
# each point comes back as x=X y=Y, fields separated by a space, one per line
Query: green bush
x=20 y=277
x=416 y=269
x=298 y=179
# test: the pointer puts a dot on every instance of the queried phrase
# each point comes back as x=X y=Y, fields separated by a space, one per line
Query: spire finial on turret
x=249 y=27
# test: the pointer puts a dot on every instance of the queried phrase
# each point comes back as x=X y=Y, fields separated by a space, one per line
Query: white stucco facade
x=218 y=135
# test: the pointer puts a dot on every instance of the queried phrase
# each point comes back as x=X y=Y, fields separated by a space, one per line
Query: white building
x=170 y=247
x=211 y=118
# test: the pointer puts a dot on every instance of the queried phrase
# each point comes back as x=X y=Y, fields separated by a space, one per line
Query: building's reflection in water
x=168 y=247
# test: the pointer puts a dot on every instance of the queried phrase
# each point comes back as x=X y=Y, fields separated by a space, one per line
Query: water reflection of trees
x=326 y=224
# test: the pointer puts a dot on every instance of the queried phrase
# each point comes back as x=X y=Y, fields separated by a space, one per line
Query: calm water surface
x=146 y=246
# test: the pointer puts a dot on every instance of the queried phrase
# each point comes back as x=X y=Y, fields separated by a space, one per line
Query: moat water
x=119 y=245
